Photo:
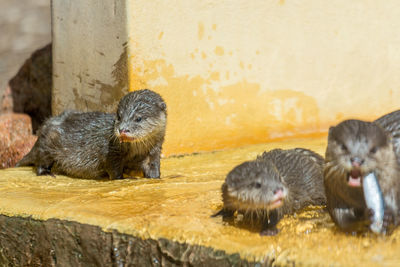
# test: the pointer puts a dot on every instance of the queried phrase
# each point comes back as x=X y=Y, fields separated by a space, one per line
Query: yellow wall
x=233 y=72
x=240 y=72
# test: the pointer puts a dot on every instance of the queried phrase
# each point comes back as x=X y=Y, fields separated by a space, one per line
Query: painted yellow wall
x=233 y=72
x=240 y=72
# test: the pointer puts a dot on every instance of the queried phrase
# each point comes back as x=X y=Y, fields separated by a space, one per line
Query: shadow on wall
x=31 y=87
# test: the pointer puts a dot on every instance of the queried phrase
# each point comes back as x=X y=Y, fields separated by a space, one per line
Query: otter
x=355 y=149
x=278 y=182
x=391 y=124
x=96 y=145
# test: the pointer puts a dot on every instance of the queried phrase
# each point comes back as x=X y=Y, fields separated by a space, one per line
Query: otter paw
x=44 y=171
x=269 y=232
x=228 y=215
x=152 y=174
x=369 y=214
x=388 y=219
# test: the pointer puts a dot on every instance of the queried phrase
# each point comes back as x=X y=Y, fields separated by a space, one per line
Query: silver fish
x=374 y=200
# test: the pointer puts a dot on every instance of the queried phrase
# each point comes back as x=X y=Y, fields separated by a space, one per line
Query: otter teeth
x=355 y=178
x=123 y=137
x=276 y=203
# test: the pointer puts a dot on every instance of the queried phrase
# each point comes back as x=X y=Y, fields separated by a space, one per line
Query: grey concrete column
x=89 y=54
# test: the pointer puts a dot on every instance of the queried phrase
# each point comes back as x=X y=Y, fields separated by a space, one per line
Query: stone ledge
x=30 y=242
x=177 y=208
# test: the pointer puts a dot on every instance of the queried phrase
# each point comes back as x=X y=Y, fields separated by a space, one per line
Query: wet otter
x=278 y=182
x=95 y=144
x=391 y=124
x=356 y=149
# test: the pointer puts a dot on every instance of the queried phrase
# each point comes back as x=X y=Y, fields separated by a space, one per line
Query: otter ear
x=331 y=129
x=162 y=106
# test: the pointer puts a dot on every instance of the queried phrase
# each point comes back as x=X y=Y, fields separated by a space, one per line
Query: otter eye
x=373 y=150
x=257 y=185
x=138 y=119
x=343 y=147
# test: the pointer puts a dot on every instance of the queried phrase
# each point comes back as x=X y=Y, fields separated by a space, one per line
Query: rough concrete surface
x=89 y=54
x=177 y=208
x=29 y=242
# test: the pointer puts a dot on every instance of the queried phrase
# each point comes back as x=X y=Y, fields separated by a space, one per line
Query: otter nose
x=278 y=192
x=356 y=161
x=124 y=131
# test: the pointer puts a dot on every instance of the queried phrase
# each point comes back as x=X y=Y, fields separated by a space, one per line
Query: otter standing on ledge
x=355 y=149
x=279 y=182
x=95 y=144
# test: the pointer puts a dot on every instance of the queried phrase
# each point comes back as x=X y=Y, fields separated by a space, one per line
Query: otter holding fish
x=361 y=165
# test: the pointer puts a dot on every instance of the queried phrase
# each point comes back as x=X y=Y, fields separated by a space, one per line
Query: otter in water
x=94 y=144
x=278 y=182
x=356 y=149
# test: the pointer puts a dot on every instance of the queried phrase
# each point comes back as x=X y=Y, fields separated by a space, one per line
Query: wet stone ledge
x=63 y=221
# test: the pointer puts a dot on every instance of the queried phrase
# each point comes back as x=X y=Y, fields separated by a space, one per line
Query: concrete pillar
x=89 y=56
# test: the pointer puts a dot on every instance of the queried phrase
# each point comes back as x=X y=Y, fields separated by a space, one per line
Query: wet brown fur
x=88 y=144
x=298 y=172
x=373 y=145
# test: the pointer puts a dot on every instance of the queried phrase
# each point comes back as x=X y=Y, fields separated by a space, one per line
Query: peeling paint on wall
x=215 y=119
x=110 y=94
x=201 y=31
x=219 y=51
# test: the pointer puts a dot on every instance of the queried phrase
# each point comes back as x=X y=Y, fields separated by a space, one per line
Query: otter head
x=255 y=185
x=140 y=115
x=356 y=148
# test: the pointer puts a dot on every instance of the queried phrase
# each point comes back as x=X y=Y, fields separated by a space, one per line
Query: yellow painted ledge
x=178 y=207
